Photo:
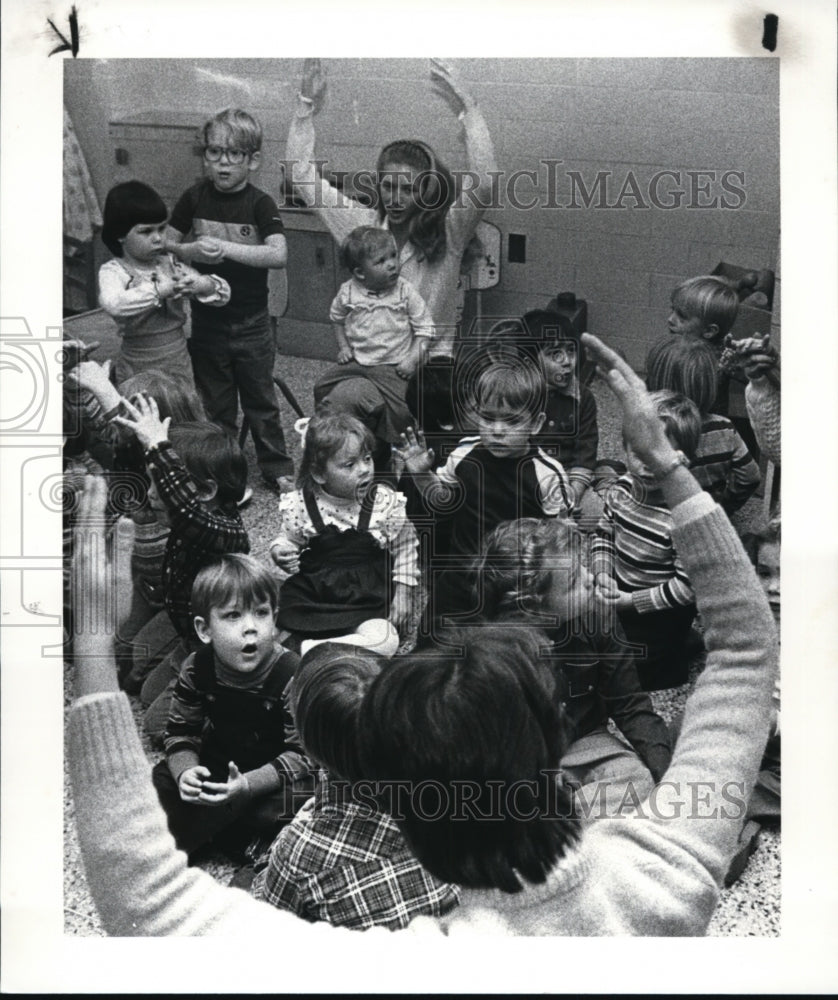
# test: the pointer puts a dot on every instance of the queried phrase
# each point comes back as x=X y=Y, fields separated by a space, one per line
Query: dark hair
x=325 y=435
x=328 y=689
x=434 y=195
x=488 y=721
x=681 y=420
x=210 y=454
x=684 y=365
x=362 y=243
x=515 y=571
x=233 y=577
x=127 y=205
x=529 y=336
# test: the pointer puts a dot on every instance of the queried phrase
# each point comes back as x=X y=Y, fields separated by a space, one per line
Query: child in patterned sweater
x=634 y=560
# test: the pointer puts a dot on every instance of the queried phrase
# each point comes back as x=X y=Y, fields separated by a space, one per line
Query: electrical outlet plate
x=484 y=272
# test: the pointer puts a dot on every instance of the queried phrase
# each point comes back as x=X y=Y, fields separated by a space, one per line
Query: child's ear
x=711 y=332
x=358 y=273
x=255 y=161
x=537 y=424
x=318 y=477
x=202 y=630
x=207 y=491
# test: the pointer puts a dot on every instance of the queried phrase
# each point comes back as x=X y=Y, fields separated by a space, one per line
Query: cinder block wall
x=625 y=119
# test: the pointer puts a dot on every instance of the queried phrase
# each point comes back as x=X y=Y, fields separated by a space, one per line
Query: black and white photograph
x=393 y=515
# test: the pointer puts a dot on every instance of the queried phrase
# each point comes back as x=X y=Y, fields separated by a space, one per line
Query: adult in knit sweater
x=657 y=873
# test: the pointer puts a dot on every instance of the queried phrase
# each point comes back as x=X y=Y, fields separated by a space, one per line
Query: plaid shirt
x=198 y=534
x=348 y=864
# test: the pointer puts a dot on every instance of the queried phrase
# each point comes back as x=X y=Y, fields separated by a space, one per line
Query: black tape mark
x=769 y=31
x=73 y=44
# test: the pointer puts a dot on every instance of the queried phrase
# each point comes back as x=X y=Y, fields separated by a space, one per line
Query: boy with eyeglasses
x=226 y=225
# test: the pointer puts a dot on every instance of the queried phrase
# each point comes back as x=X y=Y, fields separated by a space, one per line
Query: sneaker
x=247 y=496
x=281 y=484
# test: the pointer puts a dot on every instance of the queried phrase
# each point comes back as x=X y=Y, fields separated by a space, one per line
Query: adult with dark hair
x=415 y=198
x=656 y=873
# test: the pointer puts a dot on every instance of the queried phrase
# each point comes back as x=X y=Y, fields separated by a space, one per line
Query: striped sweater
x=723 y=465
x=633 y=542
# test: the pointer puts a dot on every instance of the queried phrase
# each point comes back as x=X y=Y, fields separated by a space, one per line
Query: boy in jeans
x=230 y=773
x=235 y=232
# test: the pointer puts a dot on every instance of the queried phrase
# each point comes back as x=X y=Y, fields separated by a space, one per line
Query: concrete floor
x=749 y=908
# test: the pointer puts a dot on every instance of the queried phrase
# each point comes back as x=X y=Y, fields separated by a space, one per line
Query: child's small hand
x=189 y=783
x=195 y=284
x=344 y=355
x=90 y=375
x=757 y=356
x=606 y=588
x=624 y=602
x=207 y=250
x=413 y=451
x=143 y=418
x=73 y=352
x=286 y=556
x=404 y=369
x=165 y=286
x=215 y=793
x=401 y=607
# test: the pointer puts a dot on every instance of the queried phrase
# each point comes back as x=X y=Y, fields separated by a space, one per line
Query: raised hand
x=413 y=451
x=450 y=86
x=143 y=419
x=313 y=85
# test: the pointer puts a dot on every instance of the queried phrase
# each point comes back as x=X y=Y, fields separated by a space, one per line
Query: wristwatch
x=678 y=459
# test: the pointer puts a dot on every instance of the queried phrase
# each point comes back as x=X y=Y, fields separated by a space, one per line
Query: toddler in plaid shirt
x=341 y=859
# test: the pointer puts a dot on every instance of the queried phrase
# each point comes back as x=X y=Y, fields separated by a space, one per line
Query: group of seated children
x=508 y=518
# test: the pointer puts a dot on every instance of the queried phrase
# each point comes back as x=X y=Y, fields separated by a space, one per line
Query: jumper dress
x=344 y=577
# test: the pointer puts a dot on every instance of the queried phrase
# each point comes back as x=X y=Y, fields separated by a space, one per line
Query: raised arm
x=340 y=214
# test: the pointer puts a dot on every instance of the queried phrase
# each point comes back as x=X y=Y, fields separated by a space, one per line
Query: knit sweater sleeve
x=141 y=884
x=700 y=803
x=762 y=400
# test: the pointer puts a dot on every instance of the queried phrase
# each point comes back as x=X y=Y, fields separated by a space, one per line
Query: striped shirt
x=723 y=465
x=634 y=542
x=346 y=862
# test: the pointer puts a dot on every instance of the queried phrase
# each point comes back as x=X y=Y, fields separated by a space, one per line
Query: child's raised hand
x=606 y=588
x=757 y=356
x=215 y=793
x=90 y=375
x=313 y=84
x=413 y=451
x=450 y=86
x=190 y=781
x=143 y=419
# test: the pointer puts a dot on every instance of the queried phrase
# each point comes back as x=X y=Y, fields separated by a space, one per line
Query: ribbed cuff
x=103 y=742
x=642 y=602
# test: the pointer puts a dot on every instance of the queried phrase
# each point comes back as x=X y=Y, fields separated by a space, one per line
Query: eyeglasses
x=234 y=156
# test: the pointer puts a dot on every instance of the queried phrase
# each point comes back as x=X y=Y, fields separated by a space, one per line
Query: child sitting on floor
x=341 y=859
x=634 y=558
x=722 y=464
x=570 y=429
x=197 y=474
x=498 y=474
x=533 y=574
x=346 y=548
x=229 y=772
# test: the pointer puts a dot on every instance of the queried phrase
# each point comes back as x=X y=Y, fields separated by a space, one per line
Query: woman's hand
x=313 y=84
x=643 y=430
x=450 y=87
